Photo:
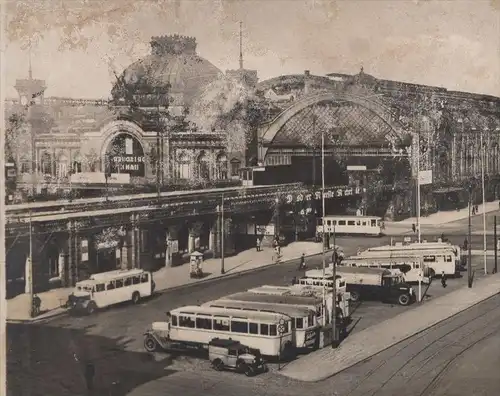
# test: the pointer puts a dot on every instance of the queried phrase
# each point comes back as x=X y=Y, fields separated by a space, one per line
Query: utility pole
x=469 y=259
x=323 y=217
x=334 y=297
x=495 y=244
x=222 y=270
x=484 y=205
x=29 y=277
x=418 y=188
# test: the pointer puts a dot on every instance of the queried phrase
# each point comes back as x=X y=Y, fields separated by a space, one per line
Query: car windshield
x=81 y=298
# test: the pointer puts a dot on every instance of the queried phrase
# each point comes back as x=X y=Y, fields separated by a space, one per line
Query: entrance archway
x=125 y=154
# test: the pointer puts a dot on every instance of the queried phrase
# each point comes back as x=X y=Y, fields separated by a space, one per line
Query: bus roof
x=223 y=312
x=362 y=270
x=273 y=298
x=115 y=274
x=367 y=256
x=352 y=217
x=248 y=305
x=412 y=247
x=318 y=273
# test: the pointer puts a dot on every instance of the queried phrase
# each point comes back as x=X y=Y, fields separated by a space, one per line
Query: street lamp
x=469 y=260
x=484 y=201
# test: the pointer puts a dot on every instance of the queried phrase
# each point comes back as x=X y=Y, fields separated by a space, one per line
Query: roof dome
x=173 y=65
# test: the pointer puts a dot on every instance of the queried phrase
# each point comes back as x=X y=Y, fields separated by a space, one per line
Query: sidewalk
x=445 y=217
x=168 y=278
x=327 y=362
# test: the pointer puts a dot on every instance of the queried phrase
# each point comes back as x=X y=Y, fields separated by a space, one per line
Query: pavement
x=363 y=345
x=167 y=278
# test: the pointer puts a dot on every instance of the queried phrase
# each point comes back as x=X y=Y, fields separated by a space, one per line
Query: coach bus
x=303 y=320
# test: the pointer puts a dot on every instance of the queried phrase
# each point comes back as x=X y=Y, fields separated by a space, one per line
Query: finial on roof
x=241 y=48
x=30 y=72
x=362 y=70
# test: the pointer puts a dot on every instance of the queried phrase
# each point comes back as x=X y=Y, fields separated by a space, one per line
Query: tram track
x=414 y=341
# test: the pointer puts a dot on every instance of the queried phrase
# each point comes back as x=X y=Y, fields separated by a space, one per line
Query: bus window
x=99 y=287
x=136 y=280
x=334 y=222
x=351 y=222
x=127 y=282
x=341 y=222
x=417 y=265
x=378 y=223
x=174 y=320
x=186 y=321
x=328 y=223
x=110 y=285
x=119 y=283
x=373 y=223
x=364 y=223
x=448 y=259
x=204 y=323
x=253 y=328
x=264 y=329
x=273 y=330
x=144 y=278
x=429 y=259
x=239 y=327
x=358 y=222
x=299 y=323
x=221 y=324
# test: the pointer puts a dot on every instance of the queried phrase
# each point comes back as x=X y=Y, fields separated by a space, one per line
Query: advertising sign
x=425 y=177
x=99 y=178
x=126 y=155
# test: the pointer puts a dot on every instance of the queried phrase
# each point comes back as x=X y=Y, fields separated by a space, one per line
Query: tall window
x=46 y=164
x=62 y=166
x=235 y=167
x=222 y=167
x=77 y=163
x=203 y=166
x=183 y=166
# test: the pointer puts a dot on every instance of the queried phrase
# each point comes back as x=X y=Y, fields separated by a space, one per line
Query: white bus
x=350 y=225
x=424 y=246
x=316 y=277
x=411 y=265
x=304 y=323
x=311 y=302
x=198 y=325
x=109 y=288
x=438 y=259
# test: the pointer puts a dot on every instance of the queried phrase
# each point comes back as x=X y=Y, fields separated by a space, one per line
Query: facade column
x=132 y=238
x=172 y=246
x=212 y=238
x=191 y=246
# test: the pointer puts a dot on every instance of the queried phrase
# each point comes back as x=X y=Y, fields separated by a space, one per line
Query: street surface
x=52 y=355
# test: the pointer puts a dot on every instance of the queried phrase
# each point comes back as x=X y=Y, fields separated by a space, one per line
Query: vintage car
x=230 y=354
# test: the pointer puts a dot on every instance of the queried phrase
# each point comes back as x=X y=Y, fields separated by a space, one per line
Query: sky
x=77 y=45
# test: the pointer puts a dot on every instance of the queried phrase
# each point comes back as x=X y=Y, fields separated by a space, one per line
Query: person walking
x=443 y=280
x=257 y=244
x=302 y=264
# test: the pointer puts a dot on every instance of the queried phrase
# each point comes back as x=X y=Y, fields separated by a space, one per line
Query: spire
x=30 y=73
x=241 y=48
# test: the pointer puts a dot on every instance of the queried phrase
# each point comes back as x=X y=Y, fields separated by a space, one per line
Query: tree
x=17 y=137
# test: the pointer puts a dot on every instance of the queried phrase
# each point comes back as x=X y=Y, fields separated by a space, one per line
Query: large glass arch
x=341 y=122
x=126 y=155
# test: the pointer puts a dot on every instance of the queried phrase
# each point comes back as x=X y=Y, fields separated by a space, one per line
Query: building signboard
x=126 y=155
x=99 y=178
x=425 y=177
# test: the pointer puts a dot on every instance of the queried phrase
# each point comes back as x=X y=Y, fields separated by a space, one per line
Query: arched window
x=183 y=166
x=235 y=167
x=203 y=166
x=76 y=165
x=222 y=167
x=46 y=164
x=62 y=166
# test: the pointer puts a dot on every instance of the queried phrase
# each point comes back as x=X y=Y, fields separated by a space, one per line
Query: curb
x=173 y=288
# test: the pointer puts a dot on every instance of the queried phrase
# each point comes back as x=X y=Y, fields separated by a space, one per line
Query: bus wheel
x=150 y=344
x=355 y=296
x=91 y=308
x=404 y=299
x=136 y=297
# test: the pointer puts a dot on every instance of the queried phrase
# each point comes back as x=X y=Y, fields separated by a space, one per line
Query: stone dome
x=173 y=63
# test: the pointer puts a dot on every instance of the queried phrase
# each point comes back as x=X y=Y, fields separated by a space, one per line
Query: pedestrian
x=294 y=280
x=443 y=280
x=466 y=244
x=302 y=264
x=257 y=245
x=414 y=227
x=89 y=375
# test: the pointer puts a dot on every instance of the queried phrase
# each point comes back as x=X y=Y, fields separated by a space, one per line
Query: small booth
x=196 y=265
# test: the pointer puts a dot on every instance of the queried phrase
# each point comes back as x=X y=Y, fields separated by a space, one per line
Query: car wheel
x=91 y=308
x=404 y=299
x=249 y=371
x=136 y=297
x=218 y=365
x=150 y=344
x=355 y=296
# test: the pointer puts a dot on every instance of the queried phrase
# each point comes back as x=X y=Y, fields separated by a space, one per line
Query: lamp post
x=484 y=203
x=222 y=232
x=323 y=217
x=418 y=189
x=469 y=259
